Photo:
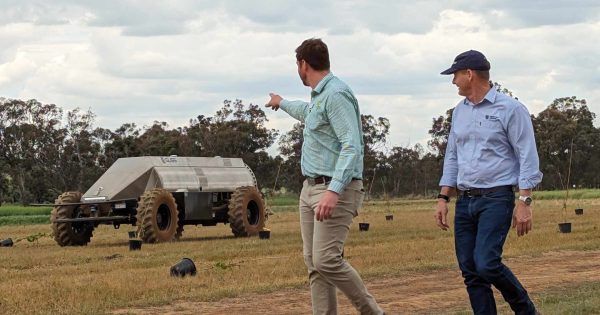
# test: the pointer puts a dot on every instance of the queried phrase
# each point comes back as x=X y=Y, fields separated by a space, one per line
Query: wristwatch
x=526 y=199
x=445 y=197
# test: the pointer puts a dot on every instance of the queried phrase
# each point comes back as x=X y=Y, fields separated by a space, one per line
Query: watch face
x=527 y=200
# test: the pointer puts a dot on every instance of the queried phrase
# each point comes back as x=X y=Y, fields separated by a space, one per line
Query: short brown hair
x=483 y=74
x=314 y=51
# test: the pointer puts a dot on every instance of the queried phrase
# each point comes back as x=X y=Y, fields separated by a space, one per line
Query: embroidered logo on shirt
x=491 y=117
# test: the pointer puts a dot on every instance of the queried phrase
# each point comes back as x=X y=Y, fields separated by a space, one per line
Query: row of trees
x=44 y=151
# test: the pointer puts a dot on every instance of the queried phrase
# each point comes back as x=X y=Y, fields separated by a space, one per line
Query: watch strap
x=442 y=196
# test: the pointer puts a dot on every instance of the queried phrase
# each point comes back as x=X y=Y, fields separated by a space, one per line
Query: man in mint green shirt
x=332 y=161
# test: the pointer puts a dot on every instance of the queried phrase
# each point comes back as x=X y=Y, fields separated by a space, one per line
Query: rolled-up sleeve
x=296 y=109
x=343 y=118
x=522 y=139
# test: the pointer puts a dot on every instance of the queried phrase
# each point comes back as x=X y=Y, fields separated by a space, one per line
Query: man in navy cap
x=491 y=149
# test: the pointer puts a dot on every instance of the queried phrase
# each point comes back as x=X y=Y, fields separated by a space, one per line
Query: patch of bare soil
x=419 y=293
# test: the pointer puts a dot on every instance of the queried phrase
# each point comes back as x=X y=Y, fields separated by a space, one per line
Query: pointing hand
x=274 y=101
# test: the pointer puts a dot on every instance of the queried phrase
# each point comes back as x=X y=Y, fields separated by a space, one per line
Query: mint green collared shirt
x=333 y=138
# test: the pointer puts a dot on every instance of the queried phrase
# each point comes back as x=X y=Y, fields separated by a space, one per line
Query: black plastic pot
x=564 y=227
x=135 y=244
x=184 y=267
x=389 y=217
x=264 y=235
x=7 y=243
x=131 y=234
x=579 y=211
x=363 y=226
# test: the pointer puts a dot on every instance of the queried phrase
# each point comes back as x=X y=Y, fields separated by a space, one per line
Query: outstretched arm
x=296 y=109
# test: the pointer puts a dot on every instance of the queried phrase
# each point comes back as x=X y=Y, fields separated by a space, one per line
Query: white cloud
x=547 y=80
x=18 y=70
x=460 y=22
x=134 y=61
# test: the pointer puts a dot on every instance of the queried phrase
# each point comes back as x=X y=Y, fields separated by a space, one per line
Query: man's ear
x=304 y=65
x=470 y=74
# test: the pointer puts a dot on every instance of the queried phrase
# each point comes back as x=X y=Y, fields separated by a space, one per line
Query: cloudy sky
x=141 y=61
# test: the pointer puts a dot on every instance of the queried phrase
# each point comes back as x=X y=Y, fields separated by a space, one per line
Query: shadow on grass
x=125 y=241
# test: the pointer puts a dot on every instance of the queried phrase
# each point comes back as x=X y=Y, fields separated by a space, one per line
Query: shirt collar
x=490 y=97
x=319 y=88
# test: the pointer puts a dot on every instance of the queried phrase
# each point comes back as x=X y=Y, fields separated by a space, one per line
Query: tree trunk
x=21 y=187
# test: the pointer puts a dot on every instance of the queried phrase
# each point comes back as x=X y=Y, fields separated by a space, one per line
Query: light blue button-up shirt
x=491 y=144
x=333 y=138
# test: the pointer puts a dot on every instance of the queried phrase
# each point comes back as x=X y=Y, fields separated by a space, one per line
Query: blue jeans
x=481 y=225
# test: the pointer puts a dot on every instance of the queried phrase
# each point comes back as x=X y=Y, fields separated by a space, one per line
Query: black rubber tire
x=71 y=234
x=181 y=218
x=157 y=216
x=246 y=211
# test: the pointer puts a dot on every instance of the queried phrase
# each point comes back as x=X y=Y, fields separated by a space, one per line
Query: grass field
x=11 y=210
x=22 y=215
x=39 y=277
x=574 y=194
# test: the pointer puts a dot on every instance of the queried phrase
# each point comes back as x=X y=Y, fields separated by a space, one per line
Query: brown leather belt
x=478 y=192
x=322 y=180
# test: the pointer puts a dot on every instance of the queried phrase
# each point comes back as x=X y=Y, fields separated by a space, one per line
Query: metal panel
x=198 y=206
x=202 y=180
x=178 y=178
x=128 y=178
x=227 y=179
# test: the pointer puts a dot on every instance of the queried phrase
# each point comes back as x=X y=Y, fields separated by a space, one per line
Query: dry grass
x=40 y=277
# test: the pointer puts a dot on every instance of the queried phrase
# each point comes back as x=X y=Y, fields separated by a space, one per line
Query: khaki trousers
x=323 y=243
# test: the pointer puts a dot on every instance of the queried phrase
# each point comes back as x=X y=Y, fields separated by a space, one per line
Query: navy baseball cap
x=471 y=59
